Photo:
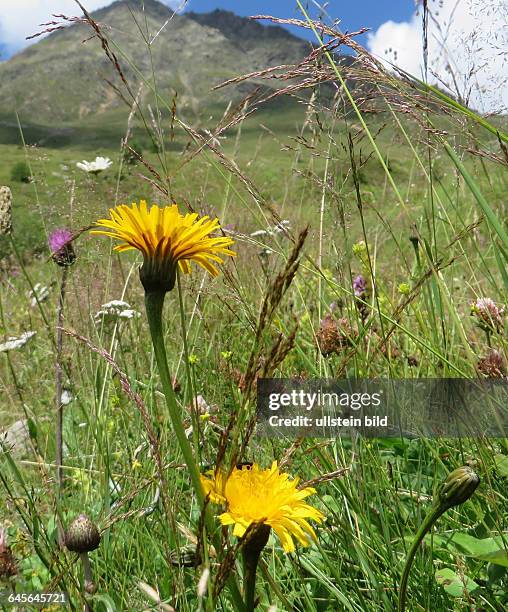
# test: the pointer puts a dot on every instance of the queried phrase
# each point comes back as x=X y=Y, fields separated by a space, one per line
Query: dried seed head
x=5 y=210
x=493 y=365
x=8 y=566
x=82 y=535
x=333 y=335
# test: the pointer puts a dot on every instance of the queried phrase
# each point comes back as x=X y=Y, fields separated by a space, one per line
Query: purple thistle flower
x=58 y=239
x=360 y=286
x=60 y=244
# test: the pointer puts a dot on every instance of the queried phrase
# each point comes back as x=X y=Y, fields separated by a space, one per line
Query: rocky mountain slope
x=61 y=79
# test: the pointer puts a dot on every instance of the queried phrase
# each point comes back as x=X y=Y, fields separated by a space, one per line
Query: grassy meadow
x=415 y=202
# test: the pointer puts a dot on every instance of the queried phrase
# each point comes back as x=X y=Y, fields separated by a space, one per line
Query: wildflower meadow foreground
x=253 y=352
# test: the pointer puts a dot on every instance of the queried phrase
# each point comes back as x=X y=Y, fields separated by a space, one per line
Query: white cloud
x=467 y=49
x=21 y=18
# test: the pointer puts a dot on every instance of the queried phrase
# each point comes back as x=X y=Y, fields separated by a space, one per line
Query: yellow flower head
x=165 y=238
x=253 y=495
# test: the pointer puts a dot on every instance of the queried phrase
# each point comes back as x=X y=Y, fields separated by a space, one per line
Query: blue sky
x=21 y=17
x=462 y=34
x=352 y=14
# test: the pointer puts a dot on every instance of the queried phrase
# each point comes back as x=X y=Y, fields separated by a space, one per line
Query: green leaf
x=472 y=546
x=454 y=584
x=493 y=550
x=497 y=557
x=501 y=462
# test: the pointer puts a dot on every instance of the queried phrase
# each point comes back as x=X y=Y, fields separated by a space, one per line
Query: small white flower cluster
x=38 y=294
x=116 y=310
x=280 y=228
x=66 y=397
x=95 y=167
x=14 y=343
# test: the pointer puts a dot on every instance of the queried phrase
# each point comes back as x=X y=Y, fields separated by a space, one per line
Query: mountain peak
x=63 y=76
x=240 y=29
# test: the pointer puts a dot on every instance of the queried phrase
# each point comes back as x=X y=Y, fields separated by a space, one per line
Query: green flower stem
x=251 y=552
x=250 y=569
x=154 y=302
x=188 y=372
x=434 y=513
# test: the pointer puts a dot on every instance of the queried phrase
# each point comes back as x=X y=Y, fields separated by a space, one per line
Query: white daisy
x=95 y=167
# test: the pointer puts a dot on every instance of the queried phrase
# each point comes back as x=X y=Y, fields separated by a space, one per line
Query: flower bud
x=458 y=487
x=82 y=535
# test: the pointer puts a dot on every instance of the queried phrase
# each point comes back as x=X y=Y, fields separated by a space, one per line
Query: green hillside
x=61 y=81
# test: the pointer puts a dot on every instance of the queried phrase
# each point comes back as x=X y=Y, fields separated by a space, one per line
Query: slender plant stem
x=154 y=302
x=194 y=412
x=434 y=513
x=58 y=381
x=250 y=569
x=251 y=553
x=87 y=568
x=88 y=583
x=58 y=403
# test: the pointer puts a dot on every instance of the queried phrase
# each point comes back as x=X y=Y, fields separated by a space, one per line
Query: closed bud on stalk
x=458 y=487
x=82 y=535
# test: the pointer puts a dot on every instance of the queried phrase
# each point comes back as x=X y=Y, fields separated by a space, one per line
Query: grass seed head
x=5 y=210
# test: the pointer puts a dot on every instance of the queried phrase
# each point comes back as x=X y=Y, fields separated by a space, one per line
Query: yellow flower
x=253 y=495
x=166 y=238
